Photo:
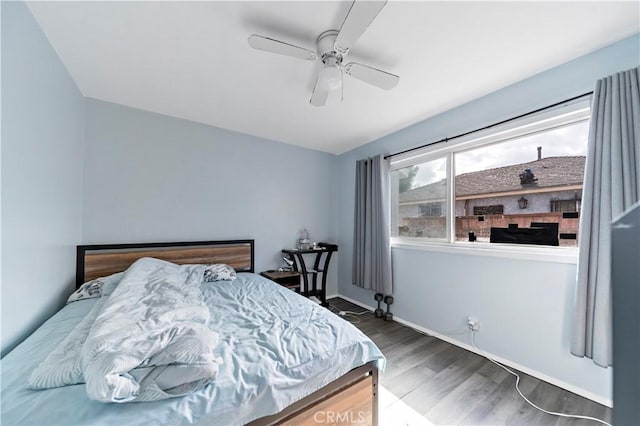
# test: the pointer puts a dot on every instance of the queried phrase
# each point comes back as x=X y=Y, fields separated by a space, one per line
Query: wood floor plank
x=445 y=357
x=418 y=360
x=402 y=335
x=424 y=397
x=406 y=381
x=575 y=404
x=400 y=414
x=458 y=403
x=493 y=372
x=545 y=396
x=405 y=353
x=496 y=407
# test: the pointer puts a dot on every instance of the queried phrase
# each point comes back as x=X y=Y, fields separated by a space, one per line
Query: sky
x=564 y=141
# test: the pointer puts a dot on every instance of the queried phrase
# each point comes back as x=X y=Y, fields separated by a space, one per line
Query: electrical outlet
x=473 y=323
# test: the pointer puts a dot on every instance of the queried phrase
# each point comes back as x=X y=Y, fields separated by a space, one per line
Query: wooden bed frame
x=350 y=399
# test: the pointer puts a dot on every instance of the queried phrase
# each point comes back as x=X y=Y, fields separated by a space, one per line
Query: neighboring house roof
x=550 y=172
x=432 y=192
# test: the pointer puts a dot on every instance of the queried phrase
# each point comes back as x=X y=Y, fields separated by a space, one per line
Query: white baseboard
x=571 y=388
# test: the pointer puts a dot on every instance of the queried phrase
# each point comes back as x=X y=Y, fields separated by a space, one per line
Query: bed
x=319 y=369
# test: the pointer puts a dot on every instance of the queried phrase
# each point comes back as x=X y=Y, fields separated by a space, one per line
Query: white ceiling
x=191 y=59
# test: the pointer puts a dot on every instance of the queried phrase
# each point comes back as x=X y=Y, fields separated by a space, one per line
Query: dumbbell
x=379 y=313
x=388 y=316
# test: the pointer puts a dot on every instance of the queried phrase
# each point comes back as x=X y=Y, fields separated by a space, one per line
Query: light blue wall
x=149 y=177
x=42 y=154
x=523 y=305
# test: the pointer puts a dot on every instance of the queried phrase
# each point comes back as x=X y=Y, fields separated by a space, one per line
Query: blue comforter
x=276 y=348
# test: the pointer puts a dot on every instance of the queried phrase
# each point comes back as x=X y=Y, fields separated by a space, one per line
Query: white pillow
x=218 y=272
x=99 y=287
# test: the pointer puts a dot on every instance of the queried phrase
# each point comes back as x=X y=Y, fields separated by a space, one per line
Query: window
x=418 y=197
x=562 y=206
x=431 y=209
x=486 y=210
x=512 y=184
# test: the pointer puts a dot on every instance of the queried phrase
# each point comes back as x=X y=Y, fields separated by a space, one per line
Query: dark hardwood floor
x=428 y=380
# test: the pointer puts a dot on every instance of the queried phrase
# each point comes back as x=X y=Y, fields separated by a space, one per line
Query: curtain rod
x=489 y=126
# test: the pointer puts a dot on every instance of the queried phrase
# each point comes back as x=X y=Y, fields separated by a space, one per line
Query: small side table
x=289 y=279
x=299 y=265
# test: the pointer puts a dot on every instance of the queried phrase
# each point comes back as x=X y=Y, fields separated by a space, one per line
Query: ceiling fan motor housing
x=326 y=47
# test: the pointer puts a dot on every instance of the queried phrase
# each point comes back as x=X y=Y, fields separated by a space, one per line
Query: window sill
x=567 y=255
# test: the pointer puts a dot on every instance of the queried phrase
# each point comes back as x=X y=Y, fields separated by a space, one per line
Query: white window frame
x=560 y=116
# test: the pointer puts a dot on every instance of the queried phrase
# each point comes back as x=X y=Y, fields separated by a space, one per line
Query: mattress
x=276 y=346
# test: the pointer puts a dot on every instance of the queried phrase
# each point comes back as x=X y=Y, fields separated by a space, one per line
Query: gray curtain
x=371 y=248
x=612 y=185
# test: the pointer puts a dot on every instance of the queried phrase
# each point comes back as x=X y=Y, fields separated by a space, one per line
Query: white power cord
x=349 y=316
x=553 y=413
x=342 y=313
x=353 y=319
x=352 y=315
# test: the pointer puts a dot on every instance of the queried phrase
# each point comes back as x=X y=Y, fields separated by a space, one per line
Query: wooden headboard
x=99 y=260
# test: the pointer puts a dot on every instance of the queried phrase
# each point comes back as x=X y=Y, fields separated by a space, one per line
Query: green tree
x=406 y=182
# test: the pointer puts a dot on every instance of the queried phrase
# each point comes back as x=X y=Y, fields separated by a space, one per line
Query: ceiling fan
x=332 y=47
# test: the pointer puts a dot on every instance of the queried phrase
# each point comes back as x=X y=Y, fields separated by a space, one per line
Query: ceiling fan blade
x=320 y=92
x=359 y=17
x=275 y=46
x=373 y=76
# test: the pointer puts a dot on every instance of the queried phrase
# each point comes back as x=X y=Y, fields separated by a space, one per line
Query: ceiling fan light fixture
x=330 y=77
